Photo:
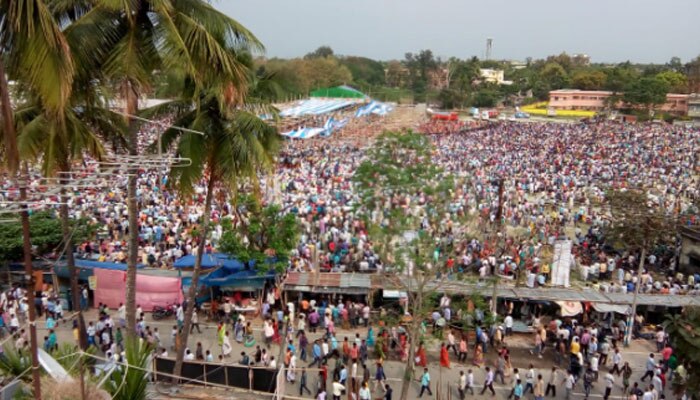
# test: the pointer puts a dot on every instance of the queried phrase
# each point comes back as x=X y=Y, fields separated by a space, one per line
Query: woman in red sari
x=276 y=336
x=421 y=357
x=444 y=356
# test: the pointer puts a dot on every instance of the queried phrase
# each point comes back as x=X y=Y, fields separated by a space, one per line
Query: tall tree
x=692 y=70
x=233 y=147
x=636 y=226
x=554 y=75
x=321 y=52
x=684 y=335
x=646 y=92
x=401 y=173
x=588 y=80
x=676 y=82
x=137 y=37
x=34 y=52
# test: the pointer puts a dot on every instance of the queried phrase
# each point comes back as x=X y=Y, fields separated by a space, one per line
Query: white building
x=493 y=76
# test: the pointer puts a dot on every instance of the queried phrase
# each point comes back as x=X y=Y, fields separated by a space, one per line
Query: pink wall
x=595 y=100
x=150 y=290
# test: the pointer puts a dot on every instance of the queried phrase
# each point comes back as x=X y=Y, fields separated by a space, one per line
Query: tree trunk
x=630 y=320
x=181 y=343
x=70 y=261
x=414 y=336
x=11 y=153
x=131 y=99
x=29 y=271
x=12 y=163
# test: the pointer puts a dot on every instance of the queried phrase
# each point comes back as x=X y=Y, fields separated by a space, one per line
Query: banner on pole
x=561 y=263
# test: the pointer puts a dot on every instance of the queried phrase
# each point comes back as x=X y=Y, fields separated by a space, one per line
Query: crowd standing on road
x=553 y=176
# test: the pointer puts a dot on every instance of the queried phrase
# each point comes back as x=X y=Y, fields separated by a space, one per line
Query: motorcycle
x=162 y=312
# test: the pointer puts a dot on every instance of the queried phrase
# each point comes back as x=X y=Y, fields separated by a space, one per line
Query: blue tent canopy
x=210 y=260
x=104 y=265
x=241 y=279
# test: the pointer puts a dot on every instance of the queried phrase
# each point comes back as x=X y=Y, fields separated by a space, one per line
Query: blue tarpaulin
x=241 y=279
x=104 y=265
x=210 y=260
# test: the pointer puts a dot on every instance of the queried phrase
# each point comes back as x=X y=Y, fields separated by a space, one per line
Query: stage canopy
x=317 y=106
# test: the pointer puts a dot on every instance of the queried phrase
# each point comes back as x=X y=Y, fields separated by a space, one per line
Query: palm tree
x=135 y=38
x=58 y=147
x=234 y=146
x=37 y=56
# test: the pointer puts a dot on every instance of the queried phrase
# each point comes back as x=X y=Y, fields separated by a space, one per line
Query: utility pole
x=29 y=278
x=499 y=218
x=633 y=313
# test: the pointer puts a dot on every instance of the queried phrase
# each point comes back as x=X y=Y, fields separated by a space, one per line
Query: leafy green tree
x=364 y=70
x=395 y=74
x=554 y=75
x=321 y=52
x=676 y=82
x=419 y=67
x=130 y=40
x=485 y=97
x=45 y=233
x=646 y=92
x=588 y=80
x=34 y=52
x=131 y=383
x=692 y=70
x=399 y=166
x=620 y=77
x=262 y=234
x=636 y=226
x=233 y=146
x=303 y=75
x=684 y=334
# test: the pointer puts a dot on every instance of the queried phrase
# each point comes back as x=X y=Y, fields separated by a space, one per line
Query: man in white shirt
x=470 y=382
x=508 y=322
x=569 y=383
x=337 y=390
x=121 y=314
x=189 y=356
x=609 y=382
x=462 y=385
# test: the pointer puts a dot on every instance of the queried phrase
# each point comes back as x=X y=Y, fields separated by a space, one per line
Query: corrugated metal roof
x=354 y=282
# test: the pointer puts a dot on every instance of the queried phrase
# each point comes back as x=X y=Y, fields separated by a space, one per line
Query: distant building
x=493 y=76
x=595 y=100
x=694 y=107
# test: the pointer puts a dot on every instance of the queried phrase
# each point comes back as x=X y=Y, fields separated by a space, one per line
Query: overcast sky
x=607 y=30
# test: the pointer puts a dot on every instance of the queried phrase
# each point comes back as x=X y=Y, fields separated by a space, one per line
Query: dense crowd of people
x=553 y=177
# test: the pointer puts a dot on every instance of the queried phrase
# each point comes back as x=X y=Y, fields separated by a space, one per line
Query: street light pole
x=499 y=218
x=633 y=314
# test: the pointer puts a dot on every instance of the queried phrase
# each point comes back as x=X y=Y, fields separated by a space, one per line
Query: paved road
x=521 y=358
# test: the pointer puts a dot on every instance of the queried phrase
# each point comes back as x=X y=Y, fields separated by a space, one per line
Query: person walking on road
x=425 y=383
x=609 y=383
x=569 y=383
x=302 y=383
x=552 y=383
x=488 y=383
x=539 y=388
x=650 y=366
x=462 y=385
